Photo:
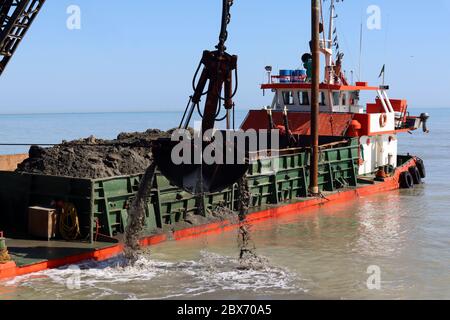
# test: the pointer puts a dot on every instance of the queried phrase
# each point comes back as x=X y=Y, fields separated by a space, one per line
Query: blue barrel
x=285 y=76
x=299 y=76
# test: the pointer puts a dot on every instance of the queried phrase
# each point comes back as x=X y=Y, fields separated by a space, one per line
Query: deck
x=25 y=252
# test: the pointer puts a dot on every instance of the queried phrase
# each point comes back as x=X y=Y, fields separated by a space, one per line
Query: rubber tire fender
x=414 y=171
x=406 y=180
x=421 y=167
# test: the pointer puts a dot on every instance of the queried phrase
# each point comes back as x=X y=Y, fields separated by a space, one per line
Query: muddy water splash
x=247 y=256
x=202 y=275
x=136 y=215
x=136 y=222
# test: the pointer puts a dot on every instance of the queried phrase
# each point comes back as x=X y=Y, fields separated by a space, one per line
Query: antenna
x=360 y=50
x=269 y=74
x=330 y=41
x=328 y=46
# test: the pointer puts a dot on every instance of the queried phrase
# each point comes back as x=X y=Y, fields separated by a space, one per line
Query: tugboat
x=326 y=113
x=376 y=126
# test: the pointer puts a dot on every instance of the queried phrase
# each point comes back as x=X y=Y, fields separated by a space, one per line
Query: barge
x=102 y=204
x=356 y=156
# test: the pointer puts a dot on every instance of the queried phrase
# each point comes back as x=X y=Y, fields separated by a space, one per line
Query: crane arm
x=217 y=73
x=16 y=17
x=217 y=78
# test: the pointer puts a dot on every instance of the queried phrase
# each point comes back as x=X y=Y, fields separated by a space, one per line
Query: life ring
x=406 y=180
x=383 y=120
x=415 y=175
x=421 y=167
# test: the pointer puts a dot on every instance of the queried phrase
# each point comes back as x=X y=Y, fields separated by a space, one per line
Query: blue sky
x=141 y=56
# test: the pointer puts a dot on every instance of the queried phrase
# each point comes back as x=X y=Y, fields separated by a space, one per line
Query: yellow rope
x=4 y=256
x=69 y=225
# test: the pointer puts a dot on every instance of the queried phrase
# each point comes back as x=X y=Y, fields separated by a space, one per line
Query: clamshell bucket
x=187 y=165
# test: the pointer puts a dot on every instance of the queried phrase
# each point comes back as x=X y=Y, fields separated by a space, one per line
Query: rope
x=68 y=144
x=322 y=196
x=98 y=233
x=4 y=256
x=69 y=225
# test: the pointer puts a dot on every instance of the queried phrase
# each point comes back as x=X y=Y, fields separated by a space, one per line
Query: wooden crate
x=42 y=222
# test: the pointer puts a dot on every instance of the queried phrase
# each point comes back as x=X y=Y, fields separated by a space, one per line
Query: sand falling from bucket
x=136 y=215
x=248 y=259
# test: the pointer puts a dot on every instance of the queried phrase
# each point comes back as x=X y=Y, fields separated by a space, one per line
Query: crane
x=198 y=177
x=16 y=18
x=215 y=82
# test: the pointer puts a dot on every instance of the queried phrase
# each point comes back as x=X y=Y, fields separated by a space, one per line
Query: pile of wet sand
x=130 y=154
x=93 y=158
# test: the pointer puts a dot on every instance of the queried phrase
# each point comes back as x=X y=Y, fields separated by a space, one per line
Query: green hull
x=102 y=203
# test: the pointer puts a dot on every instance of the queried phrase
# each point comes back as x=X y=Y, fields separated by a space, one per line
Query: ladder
x=16 y=17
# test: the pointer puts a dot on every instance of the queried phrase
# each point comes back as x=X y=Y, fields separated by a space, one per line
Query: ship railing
x=288 y=79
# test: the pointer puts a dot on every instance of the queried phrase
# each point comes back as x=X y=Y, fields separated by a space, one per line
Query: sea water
x=333 y=252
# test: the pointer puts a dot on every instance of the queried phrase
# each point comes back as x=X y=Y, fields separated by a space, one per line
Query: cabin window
x=354 y=98
x=344 y=99
x=288 y=98
x=323 y=99
x=303 y=97
x=335 y=98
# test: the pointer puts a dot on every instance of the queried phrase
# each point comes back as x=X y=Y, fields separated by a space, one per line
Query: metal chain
x=226 y=19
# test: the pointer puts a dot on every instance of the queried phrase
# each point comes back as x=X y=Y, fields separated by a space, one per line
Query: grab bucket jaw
x=194 y=174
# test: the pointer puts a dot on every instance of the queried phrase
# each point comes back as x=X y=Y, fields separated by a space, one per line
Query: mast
x=329 y=53
x=330 y=31
x=315 y=32
x=360 y=50
x=326 y=45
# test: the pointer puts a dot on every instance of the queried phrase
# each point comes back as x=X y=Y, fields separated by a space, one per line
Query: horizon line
x=137 y=112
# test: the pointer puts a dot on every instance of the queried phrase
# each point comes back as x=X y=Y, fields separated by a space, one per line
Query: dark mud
x=136 y=215
x=129 y=154
x=248 y=259
x=93 y=158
